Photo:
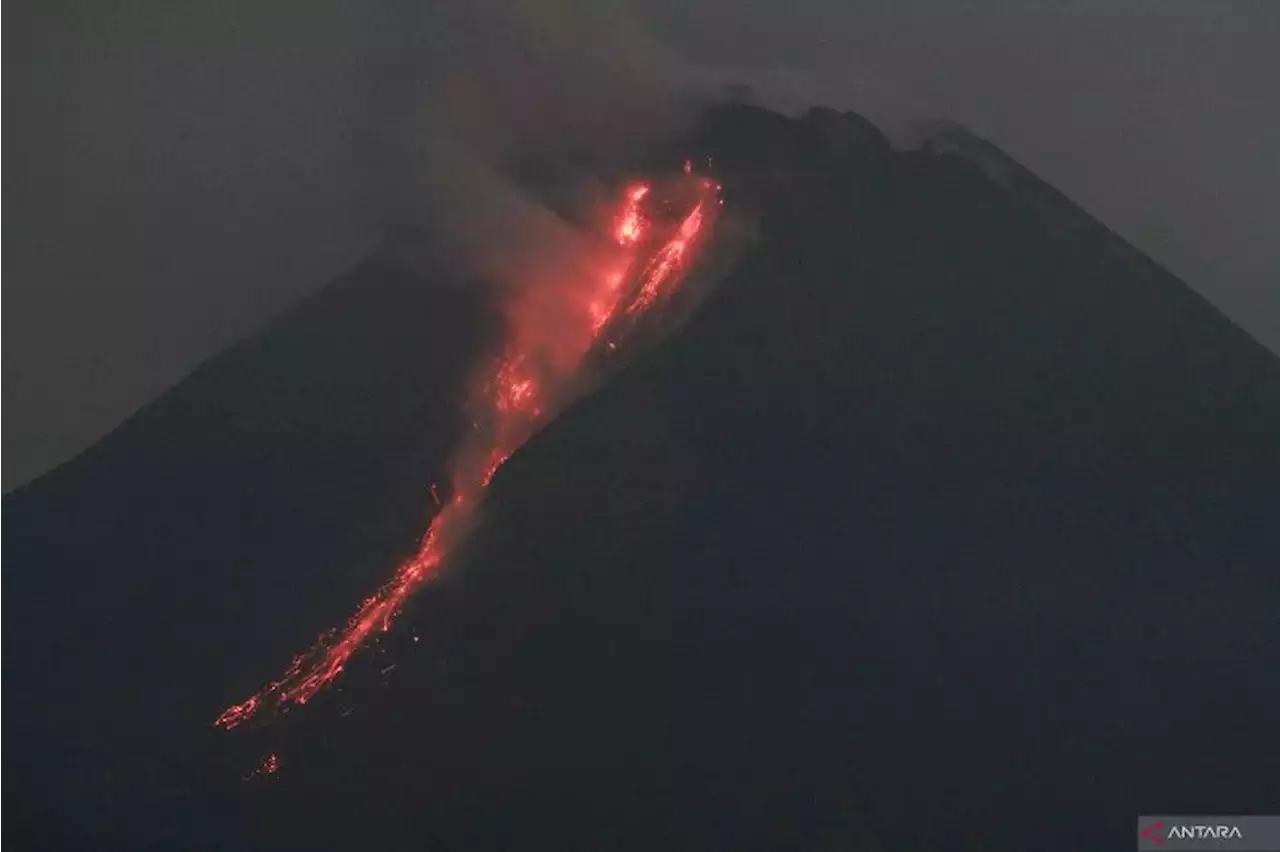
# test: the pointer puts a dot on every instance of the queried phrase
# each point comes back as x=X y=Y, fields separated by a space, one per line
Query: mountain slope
x=226 y=522
x=943 y=524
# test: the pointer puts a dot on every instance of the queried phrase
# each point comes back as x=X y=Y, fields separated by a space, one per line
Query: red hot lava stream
x=526 y=385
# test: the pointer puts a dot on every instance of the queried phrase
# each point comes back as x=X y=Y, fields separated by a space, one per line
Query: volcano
x=944 y=521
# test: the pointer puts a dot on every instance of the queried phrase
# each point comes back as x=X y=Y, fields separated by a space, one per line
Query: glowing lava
x=530 y=381
x=631 y=222
x=660 y=276
x=270 y=765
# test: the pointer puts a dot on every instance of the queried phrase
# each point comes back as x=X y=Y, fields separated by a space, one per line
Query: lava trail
x=532 y=379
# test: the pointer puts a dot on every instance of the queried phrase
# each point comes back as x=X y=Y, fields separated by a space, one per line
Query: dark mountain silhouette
x=946 y=522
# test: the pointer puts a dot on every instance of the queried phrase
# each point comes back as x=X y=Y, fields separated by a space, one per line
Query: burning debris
x=655 y=239
x=270 y=765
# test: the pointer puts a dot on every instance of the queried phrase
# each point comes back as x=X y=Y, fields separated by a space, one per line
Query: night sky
x=181 y=172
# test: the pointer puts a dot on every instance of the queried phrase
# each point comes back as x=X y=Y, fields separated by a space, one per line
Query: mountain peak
x=940 y=473
x=944 y=136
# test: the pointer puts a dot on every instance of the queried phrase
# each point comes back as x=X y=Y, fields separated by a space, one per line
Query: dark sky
x=181 y=171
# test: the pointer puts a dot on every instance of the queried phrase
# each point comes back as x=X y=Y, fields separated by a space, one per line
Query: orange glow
x=631 y=222
x=270 y=765
x=661 y=275
x=530 y=379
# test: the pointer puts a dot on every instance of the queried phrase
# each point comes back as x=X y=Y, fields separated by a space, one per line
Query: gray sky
x=181 y=171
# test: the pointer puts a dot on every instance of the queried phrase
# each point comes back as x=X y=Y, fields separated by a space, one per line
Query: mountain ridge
x=894 y=539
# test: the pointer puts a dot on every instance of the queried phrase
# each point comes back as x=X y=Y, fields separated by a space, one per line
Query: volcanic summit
x=941 y=519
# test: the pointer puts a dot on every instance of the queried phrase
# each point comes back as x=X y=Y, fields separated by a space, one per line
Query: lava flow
x=531 y=381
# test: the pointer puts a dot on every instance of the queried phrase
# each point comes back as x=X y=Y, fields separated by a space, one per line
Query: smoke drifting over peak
x=471 y=95
x=513 y=77
x=189 y=170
